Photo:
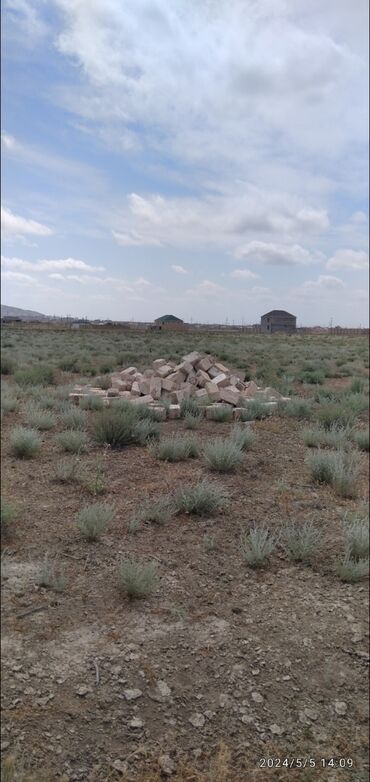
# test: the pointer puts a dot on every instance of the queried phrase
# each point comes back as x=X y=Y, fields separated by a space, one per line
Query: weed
x=7 y=516
x=192 y=421
x=146 y=431
x=337 y=437
x=176 y=449
x=9 y=404
x=257 y=544
x=159 y=511
x=50 y=576
x=335 y=414
x=24 y=443
x=302 y=541
x=223 y=455
x=361 y=438
x=339 y=469
x=356 y=534
x=7 y=364
x=93 y=520
x=209 y=542
x=187 y=406
x=295 y=408
x=254 y=410
x=39 y=419
x=73 y=441
x=115 y=427
x=66 y=472
x=103 y=382
x=312 y=377
x=357 y=385
x=73 y=418
x=37 y=375
x=91 y=402
x=203 y=499
x=243 y=437
x=222 y=414
x=138 y=579
x=351 y=570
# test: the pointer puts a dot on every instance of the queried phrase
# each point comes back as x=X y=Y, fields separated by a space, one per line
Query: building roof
x=168 y=319
x=278 y=312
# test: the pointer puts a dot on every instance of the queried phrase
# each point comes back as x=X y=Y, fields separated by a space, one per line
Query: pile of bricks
x=199 y=376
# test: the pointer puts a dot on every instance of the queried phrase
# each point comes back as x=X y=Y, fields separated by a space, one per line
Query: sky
x=204 y=159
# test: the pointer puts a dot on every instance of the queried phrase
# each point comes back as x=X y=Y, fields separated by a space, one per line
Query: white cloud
x=56 y=276
x=349 y=259
x=49 y=265
x=324 y=283
x=206 y=288
x=17 y=277
x=134 y=239
x=359 y=217
x=178 y=269
x=243 y=274
x=268 y=253
x=8 y=141
x=15 y=226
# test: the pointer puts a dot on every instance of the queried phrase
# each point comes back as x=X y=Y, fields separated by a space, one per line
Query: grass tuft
x=24 y=443
x=175 y=449
x=74 y=418
x=257 y=545
x=302 y=541
x=73 y=441
x=338 y=469
x=202 y=499
x=51 y=576
x=7 y=516
x=93 y=520
x=223 y=455
x=351 y=570
x=243 y=437
x=39 y=419
x=361 y=438
x=137 y=579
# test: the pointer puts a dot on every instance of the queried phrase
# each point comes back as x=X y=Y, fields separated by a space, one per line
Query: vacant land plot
x=165 y=616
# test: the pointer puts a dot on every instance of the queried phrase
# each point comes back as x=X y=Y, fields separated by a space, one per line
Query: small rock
x=167 y=765
x=120 y=765
x=163 y=689
x=257 y=697
x=136 y=723
x=197 y=720
x=132 y=695
x=340 y=708
x=312 y=714
x=277 y=730
x=83 y=690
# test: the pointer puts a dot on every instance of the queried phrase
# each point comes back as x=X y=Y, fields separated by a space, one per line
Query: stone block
x=113 y=392
x=188 y=389
x=155 y=387
x=221 y=380
x=237 y=412
x=235 y=381
x=177 y=378
x=148 y=372
x=192 y=358
x=272 y=394
x=142 y=400
x=159 y=362
x=127 y=372
x=174 y=411
x=201 y=393
x=164 y=371
x=210 y=409
x=184 y=367
x=213 y=371
x=135 y=389
x=213 y=391
x=161 y=412
x=230 y=395
x=204 y=364
x=250 y=390
x=222 y=368
x=125 y=394
x=144 y=386
x=202 y=378
x=168 y=385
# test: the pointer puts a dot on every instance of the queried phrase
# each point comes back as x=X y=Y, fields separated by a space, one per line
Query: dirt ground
x=272 y=662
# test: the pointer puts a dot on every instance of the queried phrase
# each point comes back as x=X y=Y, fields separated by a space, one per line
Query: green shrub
x=24 y=443
x=37 y=375
x=356 y=535
x=357 y=385
x=339 y=469
x=361 y=438
x=257 y=545
x=66 y=472
x=103 y=382
x=223 y=455
x=312 y=377
x=192 y=421
x=7 y=364
x=203 y=499
x=138 y=579
x=146 y=431
x=187 y=406
x=254 y=410
x=175 y=449
x=222 y=414
x=159 y=511
x=243 y=437
x=93 y=520
x=74 y=418
x=73 y=441
x=51 y=576
x=296 y=408
x=106 y=367
x=335 y=414
x=302 y=541
x=7 y=515
x=67 y=363
x=351 y=570
x=116 y=427
x=337 y=437
x=9 y=403
x=91 y=402
x=39 y=419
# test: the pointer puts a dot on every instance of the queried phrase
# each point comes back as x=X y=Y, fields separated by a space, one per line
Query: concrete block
x=250 y=390
x=174 y=411
x=222 y=368
x=168 y=385
x=155 y=387
x=192 y=358
x=213 y=391
x=159 y=362
x=221 y=380
x=213 y=371
x=201 y=393
x=127 y=372
x=164 y=371
x=144 y=386
x=184 y=367
x=230 y=395
x=202 y=378
x=135 y=389
x=204 y=364
x=177 y=378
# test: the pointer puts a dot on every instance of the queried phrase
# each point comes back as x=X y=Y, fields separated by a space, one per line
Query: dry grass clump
x=189 y=407
x=301 y=542
x=361 y=438
x=222 y=414
x=51 y=576
x=356 y=534
x=93 y=520
x=73 y=418
x=254 y=410
x=24 y=443
x=192 y=420
x=202 y=499
x=223 y=455
x=257 y=545
x=91 y=402
x=73 y=441
x=351 y=570
x=146 y=430
x=175 y=449
x=296 y=408
x=39 y=419
x=338 y=437
x=339 y=469
x=243 y=437
x=159 y=511
x=66 y=471
x=137 y=579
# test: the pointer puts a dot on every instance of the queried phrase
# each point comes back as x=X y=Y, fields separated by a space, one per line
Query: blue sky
x=205 y=159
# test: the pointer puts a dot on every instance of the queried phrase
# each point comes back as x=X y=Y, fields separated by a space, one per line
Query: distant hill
x=17 y=312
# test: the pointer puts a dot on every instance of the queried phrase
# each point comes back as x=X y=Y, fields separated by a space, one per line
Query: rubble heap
x=199 y=376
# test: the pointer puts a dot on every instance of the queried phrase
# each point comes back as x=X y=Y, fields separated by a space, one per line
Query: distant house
x=278 y=321
x=168 y=322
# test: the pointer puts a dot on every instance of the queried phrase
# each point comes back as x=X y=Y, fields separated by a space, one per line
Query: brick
x=192 y=358
x=143 y=400
x=159 y=362
x=230 y=395
x=164 y=371
x=155 y=387
x=127 y=372
x=204 y=364
x=135 y=389
x=213 y=391
x=221 y=380
x=174 y=411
